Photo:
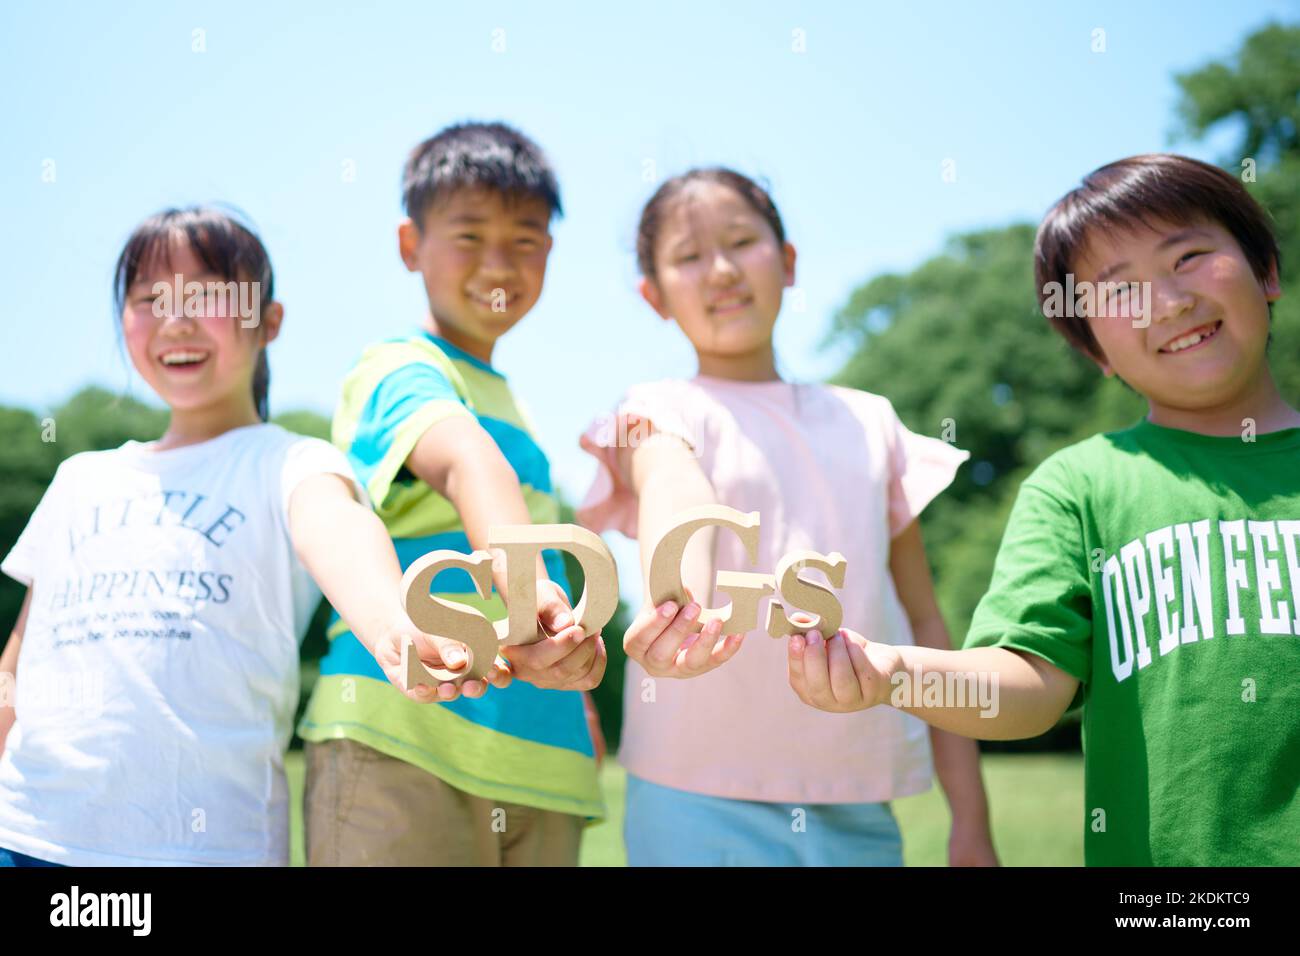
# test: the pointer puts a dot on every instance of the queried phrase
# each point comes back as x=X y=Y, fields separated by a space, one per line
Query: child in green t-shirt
x=1152 y=574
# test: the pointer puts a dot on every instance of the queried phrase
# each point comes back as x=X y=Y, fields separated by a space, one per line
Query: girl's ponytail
x=262 y=385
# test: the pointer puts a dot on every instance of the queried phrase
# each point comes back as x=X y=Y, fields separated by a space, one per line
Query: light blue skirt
x=669 y=827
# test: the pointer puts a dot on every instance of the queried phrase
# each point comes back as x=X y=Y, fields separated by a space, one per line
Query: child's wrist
x=901 y=662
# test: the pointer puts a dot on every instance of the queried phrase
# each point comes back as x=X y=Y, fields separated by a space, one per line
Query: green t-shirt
x=1162 y=569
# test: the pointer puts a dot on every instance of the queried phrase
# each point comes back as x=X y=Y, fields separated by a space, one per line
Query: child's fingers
x=575 y=665
x=545 y=654
x=816 y=671
x=663 y=652
x=697 y=657
x=553 y=608
x=862 y=669
x=596 y=671
x=558 y=661
x=727 y=648
x=473 y=688
x=854 y=638
x=500 y=676
x=440 y=652
x=647 y=627
x=795 y=650
x=844 y=681
x=421 y=693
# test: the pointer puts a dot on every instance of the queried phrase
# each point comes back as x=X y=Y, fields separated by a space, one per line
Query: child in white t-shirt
x=155 y=659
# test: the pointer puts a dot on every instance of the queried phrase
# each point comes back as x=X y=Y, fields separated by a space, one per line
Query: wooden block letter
x=666 y=560
x=821 y=609
x=443 y=618
x=521 y=544
x=746 y=589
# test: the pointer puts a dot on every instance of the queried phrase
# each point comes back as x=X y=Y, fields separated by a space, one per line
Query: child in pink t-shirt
x=730 y=767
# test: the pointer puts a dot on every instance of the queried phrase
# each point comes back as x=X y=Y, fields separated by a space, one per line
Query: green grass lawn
x=1036 y=802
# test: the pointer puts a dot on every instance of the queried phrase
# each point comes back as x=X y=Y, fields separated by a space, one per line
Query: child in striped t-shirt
x=444 y=450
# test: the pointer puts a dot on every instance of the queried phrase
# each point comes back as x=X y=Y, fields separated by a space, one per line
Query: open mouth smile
x=1194 y=339
x=183 y=359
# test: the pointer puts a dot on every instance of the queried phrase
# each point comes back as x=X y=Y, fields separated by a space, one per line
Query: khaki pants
x=365 y=808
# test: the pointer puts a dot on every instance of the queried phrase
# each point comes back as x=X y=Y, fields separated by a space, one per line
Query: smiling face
x=1204 y=346
x=194 y=364
x=719 y=272
x=483 y=261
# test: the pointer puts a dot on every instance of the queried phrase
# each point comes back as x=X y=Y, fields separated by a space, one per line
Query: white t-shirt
x=158 y=675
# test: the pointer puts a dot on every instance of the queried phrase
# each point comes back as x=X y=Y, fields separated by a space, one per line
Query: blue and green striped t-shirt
x=522 y=744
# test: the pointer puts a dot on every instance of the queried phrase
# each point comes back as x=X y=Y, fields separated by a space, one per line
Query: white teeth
x=1187 y=341
x=179 y=358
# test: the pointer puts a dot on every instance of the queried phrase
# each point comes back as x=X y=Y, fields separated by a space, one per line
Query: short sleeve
x=919 y=469
x=1040 y=598
x=23 y=560
x=404 y=405
x=311 y=456
x=610 y=503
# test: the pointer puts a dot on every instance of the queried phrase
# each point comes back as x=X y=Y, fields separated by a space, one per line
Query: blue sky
x=850 y=133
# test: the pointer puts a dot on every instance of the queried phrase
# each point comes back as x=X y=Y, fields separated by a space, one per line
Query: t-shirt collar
x=459 y=354
x=1283 y=438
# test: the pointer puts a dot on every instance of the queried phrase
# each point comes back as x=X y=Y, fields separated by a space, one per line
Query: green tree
x=963 y=352
x=1257 y=93
x=31 y=448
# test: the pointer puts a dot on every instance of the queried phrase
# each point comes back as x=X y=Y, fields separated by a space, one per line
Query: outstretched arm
x=667 y=479
x=458 y=459
x=346 y=548
x=848 y=672
x=9 y=669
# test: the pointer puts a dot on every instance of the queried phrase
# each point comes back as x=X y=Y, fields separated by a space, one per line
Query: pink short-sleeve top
x=828 y=469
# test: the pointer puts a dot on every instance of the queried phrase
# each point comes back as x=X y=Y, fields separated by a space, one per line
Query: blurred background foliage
x=957 y=344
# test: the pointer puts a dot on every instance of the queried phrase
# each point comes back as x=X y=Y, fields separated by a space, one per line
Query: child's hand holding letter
x=435 y=653
x=565 y=658
x=842 y=674
x=661 y=641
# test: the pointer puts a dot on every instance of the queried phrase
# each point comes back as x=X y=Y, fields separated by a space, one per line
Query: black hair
x=224 y=243
x=656 y=208
x=477 y=156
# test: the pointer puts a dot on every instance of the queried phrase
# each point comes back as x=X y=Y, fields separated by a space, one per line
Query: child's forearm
x=479 y=483
x=668 y=481
x=348 y=552
x=988 y=693
x=8 y=687
x=9 y=671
